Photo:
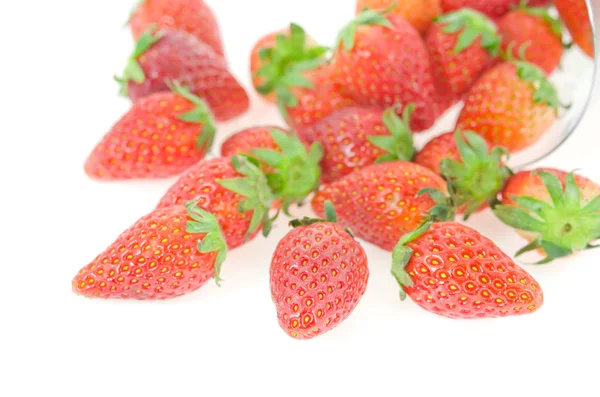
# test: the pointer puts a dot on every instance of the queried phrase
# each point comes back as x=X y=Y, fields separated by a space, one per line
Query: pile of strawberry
x=352 y=112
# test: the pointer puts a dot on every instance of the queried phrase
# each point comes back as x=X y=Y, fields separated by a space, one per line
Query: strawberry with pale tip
x=512 y=105
x=317 y=284
x=380 y=202
x=462 y=45
x=191 y=16
x=381 y=60
x=558 y=212
x=355 y=137
x=535 y=33
x=162 y=56
x=160 y=136
x=475 y=173
x=276 y=59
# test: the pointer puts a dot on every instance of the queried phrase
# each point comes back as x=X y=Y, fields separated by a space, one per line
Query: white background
x=57 y=100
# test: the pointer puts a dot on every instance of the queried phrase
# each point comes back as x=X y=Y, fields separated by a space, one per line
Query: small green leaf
x=415 y=234
x=383 y=142
x=466 y=152
x=478 y=144
x=316 y=153
x=518 y=218
x=451 y=169
x=535 y=244
x=474 y=25
x=531 y=204
x=330 y=214
x=258 y=217
x=288 y=145
x=572 y=196
x=270 y=157
x=593 y=206
x=437 y=195
x=238 y=185
x=554 y=188
x=554 y=251
x=545 y=92
x=366 y=17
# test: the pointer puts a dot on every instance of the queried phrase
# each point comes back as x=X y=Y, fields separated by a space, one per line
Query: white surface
x=58 y=99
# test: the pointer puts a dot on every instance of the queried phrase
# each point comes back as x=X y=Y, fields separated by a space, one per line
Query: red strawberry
x=451 y=270
x=191 y=16
x=383 y=61
x=512 y=105
x=160 y=136
x=475 y=174
x=167 y=253
x=178 y=56
x=462 y=45
x=275 y=55
x=535 y=34
x=233 y=189
x=312 y=95
x=355 y=137
x=319 y=273
x=558 y=212
x=380 y=202
x=492 y=8
x=419 y=13
x=574 y=14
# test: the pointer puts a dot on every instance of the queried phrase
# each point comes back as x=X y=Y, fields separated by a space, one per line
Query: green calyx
x=330 y=216
x=284 y=64
x=545 y=92
x=473 y=25
x=443 y=211
x=199 y=115
x=347 y=34
x=213 y=241
x=399 y=145
x=297 y=171
x=563 y=227
x=542 y=12
x=480 y=174
x=255 y=187
x=133 y=71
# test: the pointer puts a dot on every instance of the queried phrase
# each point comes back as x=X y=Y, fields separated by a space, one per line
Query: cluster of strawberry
x=394 y=69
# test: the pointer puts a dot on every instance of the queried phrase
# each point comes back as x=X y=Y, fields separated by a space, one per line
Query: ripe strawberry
x=167 y=253
x=462 y=45
x=383 y=61
x=558 y=212
x=274 y=57
x=419 y=13
x=512 y=105
x=380 y=202
x=574 y=14
x=233 y=189
x=319 y=273
x=160 y=136
x=178 y=56
x=355 y=137
x=475 y=174
x=451 y=270
x=536 y=34
x=312 y=96
x=191 y=16
x=492 y=8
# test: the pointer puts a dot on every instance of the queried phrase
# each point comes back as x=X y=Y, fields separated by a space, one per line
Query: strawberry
x=319 y=273
x=451 y=270
x=492 y=8
x=312 y=96
x=512 y=105
x=233 y=189
x=167 y=253
x=462 y=45
x=383 y=61
x=380 y=202
x=191 y=16
x=574 y=14
x=419 y=13
x=160 y=136
x=245 y=141
x=355 y=137
x=178 y=56
x=532 y=31
x=275 y=55
x=558 y=212
x=475 y=173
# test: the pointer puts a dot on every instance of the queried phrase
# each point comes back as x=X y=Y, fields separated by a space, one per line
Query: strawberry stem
x=472 y=25
x=367 y=17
